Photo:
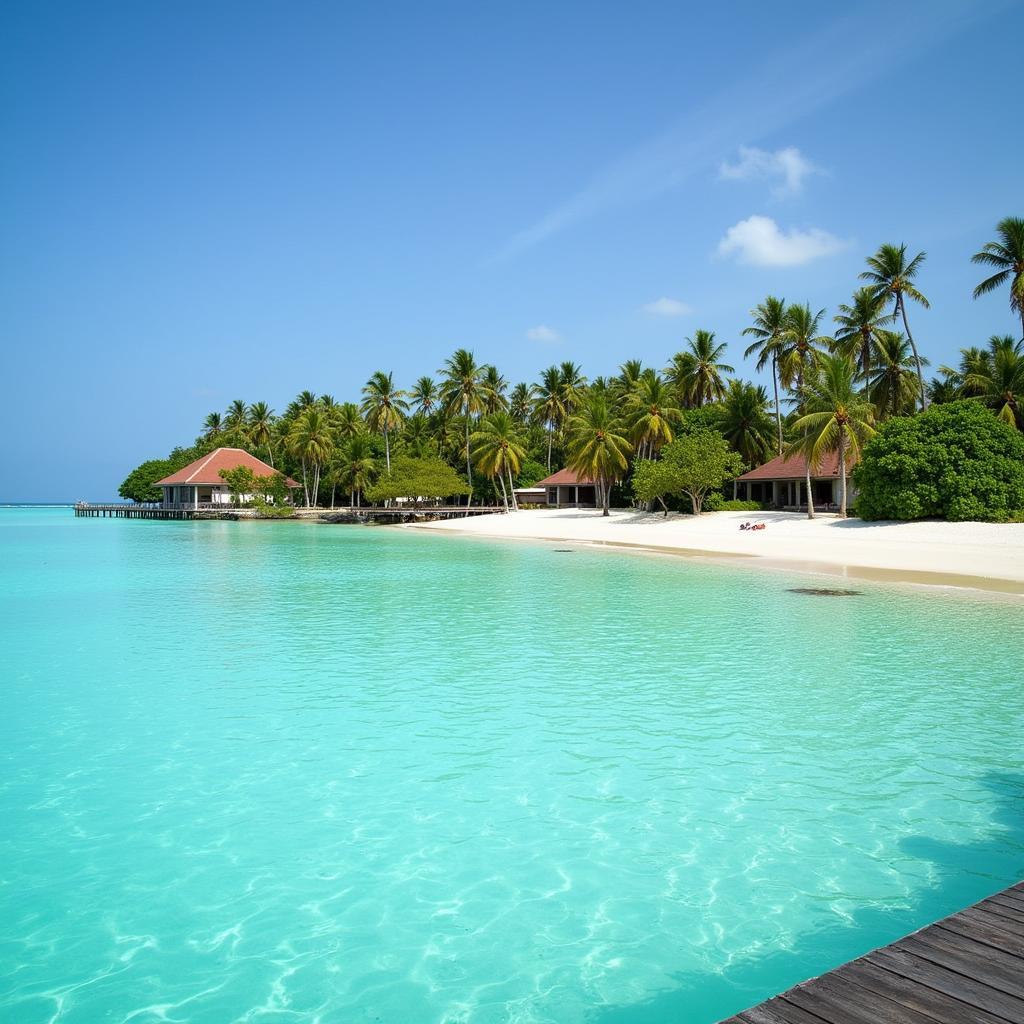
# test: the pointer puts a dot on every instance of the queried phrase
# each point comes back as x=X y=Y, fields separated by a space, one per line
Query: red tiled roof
x=207 y=469
x=565 y=477
x=795 y=468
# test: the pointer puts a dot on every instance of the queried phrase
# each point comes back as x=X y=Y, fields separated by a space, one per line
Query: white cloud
x=760 y=241
x=666 y=307
x=543 y=333
x=789 y=166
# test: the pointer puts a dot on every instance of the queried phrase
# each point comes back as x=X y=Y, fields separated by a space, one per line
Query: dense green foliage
x=418 y=479
x=498 y=436
x=954 y=462
x=694 y=464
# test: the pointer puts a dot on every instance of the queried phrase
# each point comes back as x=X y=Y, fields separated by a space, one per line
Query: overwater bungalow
x=200 y=485
x=782 y=483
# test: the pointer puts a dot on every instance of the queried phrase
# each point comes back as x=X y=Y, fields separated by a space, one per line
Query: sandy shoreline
x=981 y=556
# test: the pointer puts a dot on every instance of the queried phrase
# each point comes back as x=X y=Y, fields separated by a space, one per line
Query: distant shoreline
x=974 y=556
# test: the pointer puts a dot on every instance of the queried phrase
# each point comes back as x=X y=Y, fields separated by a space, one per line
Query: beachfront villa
x=564 y=489
x=199 y=484
x=782 y=483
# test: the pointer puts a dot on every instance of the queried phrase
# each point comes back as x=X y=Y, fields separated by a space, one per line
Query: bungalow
x=200 y=483
x=564 y=489
x=782 y=482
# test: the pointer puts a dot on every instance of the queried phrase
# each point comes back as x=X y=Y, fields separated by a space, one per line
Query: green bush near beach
x=716 y=503
x=956 y=462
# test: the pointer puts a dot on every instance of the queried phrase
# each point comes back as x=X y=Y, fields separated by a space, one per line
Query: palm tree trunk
x=842 y=473
x=504 y=493
x=469 y=464
x=549 y=446
x=387 y=451
x=512 y=490
x=778 y=408
x=913 y=348
x=810 y=495
x=605 y=496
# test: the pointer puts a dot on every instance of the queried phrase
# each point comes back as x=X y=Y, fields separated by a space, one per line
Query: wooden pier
x=964 y=969
x=211 y=510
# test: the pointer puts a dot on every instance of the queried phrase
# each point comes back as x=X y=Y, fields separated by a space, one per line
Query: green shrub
x=715 y=503
x=954 y=462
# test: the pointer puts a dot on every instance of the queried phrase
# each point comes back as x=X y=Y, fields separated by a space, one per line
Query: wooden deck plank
x=949 y=982
x=967 y=968
x=912 y=994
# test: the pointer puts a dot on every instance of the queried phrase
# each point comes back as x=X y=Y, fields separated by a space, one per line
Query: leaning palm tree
x=425 y=396
x=705 y=383
x=1007 y=256
x=356 y=467
x=549 y=408
x=463 y=390
x=802 y=348
x=311 y=441
x=891 y=379
x=999 y=380
x=384 y=407
x=213 y=424
x=598 y=449
x=836 y=416
x=499 y=452
x=890 y=275
x=746 y=423
x=261 y=419
x=768 y=328
x=651 y=410
x=520 y=402
x=859 y=326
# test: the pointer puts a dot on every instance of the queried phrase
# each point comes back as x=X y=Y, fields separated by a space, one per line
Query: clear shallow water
x=281 y=772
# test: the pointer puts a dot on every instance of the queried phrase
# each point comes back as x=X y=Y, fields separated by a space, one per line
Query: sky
x=208 y=201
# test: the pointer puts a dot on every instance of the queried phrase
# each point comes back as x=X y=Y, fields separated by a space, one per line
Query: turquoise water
x=293 y=773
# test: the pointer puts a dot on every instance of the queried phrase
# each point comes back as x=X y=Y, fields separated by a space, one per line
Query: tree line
x=836 y=388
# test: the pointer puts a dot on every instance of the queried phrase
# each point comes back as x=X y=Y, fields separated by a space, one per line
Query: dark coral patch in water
x=825 y=592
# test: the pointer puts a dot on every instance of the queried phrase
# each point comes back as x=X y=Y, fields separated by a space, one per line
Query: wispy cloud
x=543 y=333
x=787 y=166
x=764 y=102
x=666 y=307
x=760 y=241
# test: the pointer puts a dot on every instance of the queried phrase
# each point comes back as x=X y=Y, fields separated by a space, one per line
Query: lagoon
x=288 y=772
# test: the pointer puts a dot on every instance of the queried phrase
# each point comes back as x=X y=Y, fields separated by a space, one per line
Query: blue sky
x=208 y=201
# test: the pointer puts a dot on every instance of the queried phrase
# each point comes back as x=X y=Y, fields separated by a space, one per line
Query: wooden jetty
x=218 y=510
x=964 y=969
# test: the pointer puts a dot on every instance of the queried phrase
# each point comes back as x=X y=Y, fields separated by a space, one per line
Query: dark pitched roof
x=795 y=468
x=565 y=477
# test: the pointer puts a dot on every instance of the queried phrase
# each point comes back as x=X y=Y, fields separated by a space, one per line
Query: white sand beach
x=987 y=556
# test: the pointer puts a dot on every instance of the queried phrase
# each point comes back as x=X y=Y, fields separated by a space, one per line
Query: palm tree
x=213 y=424
x=425 y=396
x=499 y=452
x=651 y=409
x=891 y=379
x=999 y=380
x=549 y=408
x=417 y=435
x=1007 y=256
x=261 y=419
x=860 y=325
x=679 y=376
x=768 y=328
x=495 y=387
x=348 y=421
x=310 y=440
x=571 y=384
x=942 y=390
x=704 y=381
x=890 y=275
x=802 y=348
x=303 y=400
x=356 y=467
x=520 y=402
x=384 y=407
x=236 y=415
x=836 y=416
x=463 y=389
x=746 y=422
x=629 y=374
x=597 y=448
